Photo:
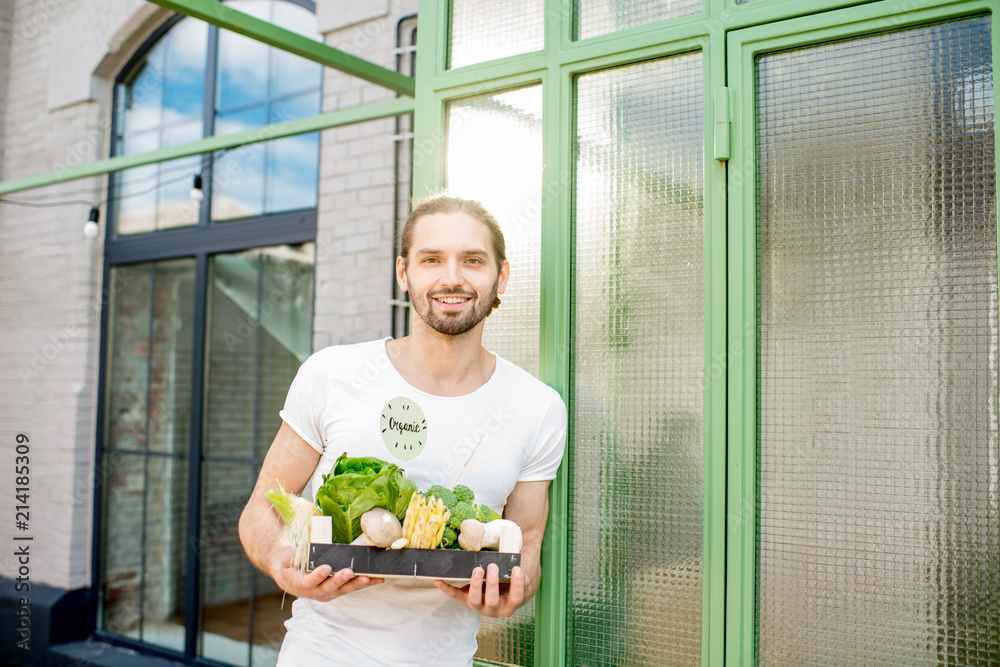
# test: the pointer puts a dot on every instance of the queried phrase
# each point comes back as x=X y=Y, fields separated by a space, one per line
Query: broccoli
x=459 y=513
x=443 y=494
x=464 y=494
x=486 y=514
x=449 y=538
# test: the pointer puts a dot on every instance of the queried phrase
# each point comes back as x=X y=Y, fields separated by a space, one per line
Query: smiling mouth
x=451 y=299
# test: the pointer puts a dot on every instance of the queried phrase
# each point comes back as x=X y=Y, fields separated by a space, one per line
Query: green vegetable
x=485 y=514
x=356 y=485
x=459 y=513
x=442 y=493
x=464 y=494
x=461 y=503
x=297 y=513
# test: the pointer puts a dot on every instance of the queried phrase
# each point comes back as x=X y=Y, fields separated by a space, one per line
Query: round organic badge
x=404 y=429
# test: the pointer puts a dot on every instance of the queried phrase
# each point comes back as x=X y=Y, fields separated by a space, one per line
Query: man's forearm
x=262 y=535
x=532 y=567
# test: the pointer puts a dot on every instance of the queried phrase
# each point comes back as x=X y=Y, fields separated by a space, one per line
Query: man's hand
x=290 y=462
x=318 y=584
x=528 y=507
x=496 y=599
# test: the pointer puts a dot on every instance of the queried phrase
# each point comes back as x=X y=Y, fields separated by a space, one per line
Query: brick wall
x=354 y=251
x=49 y=303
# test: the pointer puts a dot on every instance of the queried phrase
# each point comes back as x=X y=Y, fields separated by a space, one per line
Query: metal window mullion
x=192 y=596
x=208 y=125
x=97 y=541
x=145 y=452
x=256 y=357
x=256 y=444
x=552 y=610
x=715 y=333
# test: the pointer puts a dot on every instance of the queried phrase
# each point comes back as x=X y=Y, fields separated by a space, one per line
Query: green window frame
x=729 y=36
x=744 y=46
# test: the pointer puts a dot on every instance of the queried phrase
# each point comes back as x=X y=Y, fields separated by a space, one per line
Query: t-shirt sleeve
x=547 y=454
x=305 y=401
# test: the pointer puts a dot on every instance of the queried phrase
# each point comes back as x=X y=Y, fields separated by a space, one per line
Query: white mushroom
x=379 y=528
x=362 y=541
x=502 y=535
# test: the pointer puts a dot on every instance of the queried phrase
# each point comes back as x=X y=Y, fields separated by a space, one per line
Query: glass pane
x=293 y=162
x=157 y=196
x=638 y=349
x=123 y=479
x=260 y=332
x=290 y=73
x=143 y=570
x=168 y=86
x=276 y=176
x=271 y=608
x=600 y=17
x=243 y=69
x=145 y=501
x=163 y=106
x=169 y=410
x=227 y=578
x=251 y=72
x=128 y=357
x=286 y=309
x=164 y=499
x=877 y=388
x=149 y=370
x=238 y=175
x=507 y=127
x=482 y=31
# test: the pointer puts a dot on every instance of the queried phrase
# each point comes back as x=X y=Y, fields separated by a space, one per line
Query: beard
x=455 y=324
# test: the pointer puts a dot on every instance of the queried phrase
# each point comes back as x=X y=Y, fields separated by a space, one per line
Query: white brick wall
x=355 y=236
x=50 y=273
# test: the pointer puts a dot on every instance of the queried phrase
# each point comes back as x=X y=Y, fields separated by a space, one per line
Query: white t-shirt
x=335 y=404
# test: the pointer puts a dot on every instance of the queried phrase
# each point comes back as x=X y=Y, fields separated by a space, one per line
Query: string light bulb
x=91 y=228
x=197 y=194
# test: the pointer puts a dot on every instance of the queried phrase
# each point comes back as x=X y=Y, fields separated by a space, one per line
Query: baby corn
x=425 y=522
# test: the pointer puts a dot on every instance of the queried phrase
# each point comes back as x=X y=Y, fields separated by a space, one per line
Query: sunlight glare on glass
x=495 y=156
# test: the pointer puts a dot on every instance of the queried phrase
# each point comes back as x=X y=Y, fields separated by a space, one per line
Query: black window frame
x=201 y=242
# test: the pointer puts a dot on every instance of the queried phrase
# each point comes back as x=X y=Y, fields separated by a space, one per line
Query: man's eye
x=430 y=260
x=475 y=260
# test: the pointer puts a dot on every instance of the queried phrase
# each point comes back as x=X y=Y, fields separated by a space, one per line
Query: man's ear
x=504 y=276
x=401 y=273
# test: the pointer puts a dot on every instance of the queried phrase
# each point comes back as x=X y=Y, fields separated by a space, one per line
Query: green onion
x=297 y=513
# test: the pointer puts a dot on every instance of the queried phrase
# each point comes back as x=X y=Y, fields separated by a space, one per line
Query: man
x=480 y=409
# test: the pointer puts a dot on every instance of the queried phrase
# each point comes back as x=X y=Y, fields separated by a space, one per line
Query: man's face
x=451 y=273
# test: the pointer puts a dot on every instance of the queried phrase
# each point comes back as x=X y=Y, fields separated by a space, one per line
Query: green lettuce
x=356 y=485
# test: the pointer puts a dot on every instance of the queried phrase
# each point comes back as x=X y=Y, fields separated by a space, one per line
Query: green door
x=864 y=277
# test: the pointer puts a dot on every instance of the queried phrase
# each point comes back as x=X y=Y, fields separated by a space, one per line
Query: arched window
x=208 y=318
x=163 y=100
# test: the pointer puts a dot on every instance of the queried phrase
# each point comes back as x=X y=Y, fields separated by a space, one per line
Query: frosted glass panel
x=878 y=506
x=638 y=339
x=482 y=31
x=600 y=17
x=495 y=157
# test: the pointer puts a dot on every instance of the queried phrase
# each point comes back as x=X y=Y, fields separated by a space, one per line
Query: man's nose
x=453 y=273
